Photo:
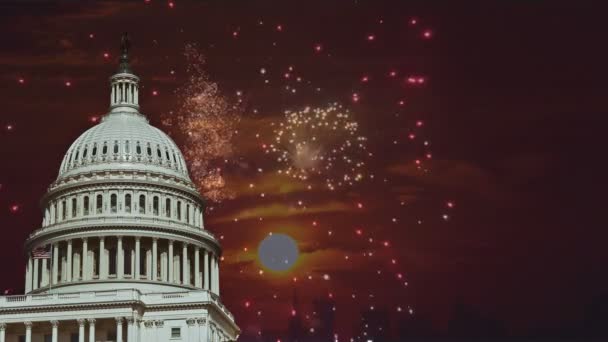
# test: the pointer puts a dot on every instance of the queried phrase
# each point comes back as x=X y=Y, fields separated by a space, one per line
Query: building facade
x=122 y=253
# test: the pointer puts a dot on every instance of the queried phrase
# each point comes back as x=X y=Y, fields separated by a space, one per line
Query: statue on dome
x=125 y=44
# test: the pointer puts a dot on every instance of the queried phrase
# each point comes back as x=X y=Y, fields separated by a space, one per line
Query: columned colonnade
x=137 y=330
x=125 y=258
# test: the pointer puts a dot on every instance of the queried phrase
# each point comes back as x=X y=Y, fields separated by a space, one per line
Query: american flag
x=41 y=253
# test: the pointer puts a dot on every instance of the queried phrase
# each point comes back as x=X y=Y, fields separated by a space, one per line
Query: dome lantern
x=124 y=85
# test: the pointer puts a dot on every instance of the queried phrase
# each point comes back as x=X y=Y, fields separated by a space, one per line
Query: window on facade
x=167 y=155
x=176 y=332
x=84 y=154
x=113 y=204
x=127 y=146
x=155 y=205
x=142 y=204
x=179 y=210
x=168 y=208
x=138 y=148
x=94 y=152
x=99 y=204
x=188 y=213
x=149 y=150
x=74 y=207
x=76 y=158
x=116 y=147
x=86 y=205
x=105 y=149
x=158 y=152
x=64 y=210
x=128 y=203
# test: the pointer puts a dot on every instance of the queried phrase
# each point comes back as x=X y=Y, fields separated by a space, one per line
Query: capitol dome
x=124 y=141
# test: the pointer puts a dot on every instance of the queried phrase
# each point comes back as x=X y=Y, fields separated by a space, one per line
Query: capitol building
x=122 y=253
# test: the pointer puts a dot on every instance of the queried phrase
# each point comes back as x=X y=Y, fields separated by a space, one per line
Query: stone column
x=191 y=329
x=148 y=333
x=170 y=261
x=154 y=258
x=28 y=275
x=118 y=329
x=2 y=332
x=211 y=273
x=158 y=326
x=85 y=259
x=55 y=325
x=137 y=262
x=130 y=337
x=55 y=263
x=28 y=331
x=103 y=265
x=197 y=278
x=185 y=278
x=217 y=275
x=91 y=329
x=206 y=269
x=120 y=258
x=202 y=329
x=35 y=283
x=68 y=271
x=81 y=329
x=45 y=273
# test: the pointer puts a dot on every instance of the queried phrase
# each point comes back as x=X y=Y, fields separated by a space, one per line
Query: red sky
x=511 y=106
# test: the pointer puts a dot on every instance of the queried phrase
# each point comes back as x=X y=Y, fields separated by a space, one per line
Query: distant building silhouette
x=295 y=327
x=322 y=325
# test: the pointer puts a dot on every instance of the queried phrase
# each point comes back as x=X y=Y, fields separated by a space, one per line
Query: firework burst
x=320 y=143
x=207 y=120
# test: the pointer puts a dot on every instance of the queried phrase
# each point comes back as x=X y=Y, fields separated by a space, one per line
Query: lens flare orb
x=278 y=252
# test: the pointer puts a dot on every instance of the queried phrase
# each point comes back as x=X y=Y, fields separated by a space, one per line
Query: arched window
x=86 y=205
x=94 y=152
x=138 y=148
x=149 y=150
x=167 y=155
x=179 y=210
x=74 y=207
x=104 y=151
x=188 y=213
x=64 y=209
x=142 y=204
x=115 y=146
x=99 y=204
x=70 y=159
x=113 y=204
x=155 y=205
x=84 y=154
x=168 y=207
x=158 y=152
x=128 y=203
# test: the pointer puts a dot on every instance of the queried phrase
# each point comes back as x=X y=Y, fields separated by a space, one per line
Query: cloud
x=454 y=174
x=280 y=210
x=269 y=183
